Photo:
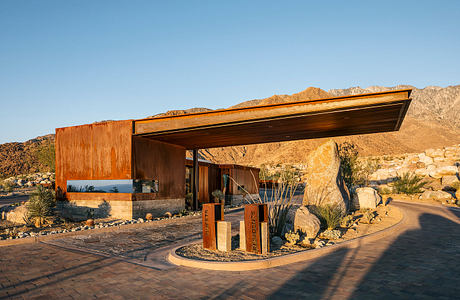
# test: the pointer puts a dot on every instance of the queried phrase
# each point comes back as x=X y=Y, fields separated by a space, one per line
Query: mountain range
x=431 y=122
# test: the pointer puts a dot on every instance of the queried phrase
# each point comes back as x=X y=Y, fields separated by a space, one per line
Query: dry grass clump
x=330 y=216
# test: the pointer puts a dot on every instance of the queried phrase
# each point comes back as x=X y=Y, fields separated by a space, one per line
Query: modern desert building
x=131 y=167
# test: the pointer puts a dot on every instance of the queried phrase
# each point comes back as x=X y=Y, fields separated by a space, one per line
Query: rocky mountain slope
x=432 y=122
x=20 y=158
x=432 y=103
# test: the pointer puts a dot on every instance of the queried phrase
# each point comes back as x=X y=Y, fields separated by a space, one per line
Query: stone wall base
x=84 y=209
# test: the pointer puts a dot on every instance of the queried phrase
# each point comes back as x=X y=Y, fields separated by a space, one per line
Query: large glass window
x=113 y=186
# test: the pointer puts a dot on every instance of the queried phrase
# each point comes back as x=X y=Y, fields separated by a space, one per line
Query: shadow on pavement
x=421 y=263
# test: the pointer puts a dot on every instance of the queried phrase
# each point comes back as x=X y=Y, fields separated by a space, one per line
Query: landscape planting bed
x=386 y=216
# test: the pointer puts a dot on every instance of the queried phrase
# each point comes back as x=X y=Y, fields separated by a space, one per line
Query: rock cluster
x=30 y=180
x=440 y=169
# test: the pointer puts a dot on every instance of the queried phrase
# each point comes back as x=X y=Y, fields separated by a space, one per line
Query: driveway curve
x=420 y=261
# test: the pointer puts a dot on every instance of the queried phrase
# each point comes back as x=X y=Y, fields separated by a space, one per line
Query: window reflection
x=113 y=186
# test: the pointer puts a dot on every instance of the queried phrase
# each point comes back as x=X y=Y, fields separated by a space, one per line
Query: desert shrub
x=347 y=221
x=46 y=155
x=384 y=190
x=218 y=195
x=355 y=172
x=330 y=216
x=279 y=201
x=348 y=161
x=292 y=237
x=40 y=206
x=408 y=184
x=7 y=186
x=368 y=216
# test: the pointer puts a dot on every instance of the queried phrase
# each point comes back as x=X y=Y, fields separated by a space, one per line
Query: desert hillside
x=432 y=122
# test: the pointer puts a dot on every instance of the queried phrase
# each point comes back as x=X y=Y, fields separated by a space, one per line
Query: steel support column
x=195 y=179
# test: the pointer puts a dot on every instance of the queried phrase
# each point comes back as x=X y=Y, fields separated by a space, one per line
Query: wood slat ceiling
x=339 y=116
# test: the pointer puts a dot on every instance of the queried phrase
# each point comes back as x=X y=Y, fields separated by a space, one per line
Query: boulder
x=324 y=184
x=425 y=159
x=457 y=195
x=277 y=242
x=449 y=180
x=306 y=222
x=444 y=171
x=366 y=197
x=436 y=195
x=18 y=215
x=433 y=184
x=434 y=152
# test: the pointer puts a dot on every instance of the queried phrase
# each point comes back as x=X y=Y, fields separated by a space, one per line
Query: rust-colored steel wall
x=93 y=151
x=246 y=177
x=203 y=189
x=160 y=161
x=215 y=179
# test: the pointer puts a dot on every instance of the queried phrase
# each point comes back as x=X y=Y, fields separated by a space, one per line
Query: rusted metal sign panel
x=254 y=214
x=212 y=213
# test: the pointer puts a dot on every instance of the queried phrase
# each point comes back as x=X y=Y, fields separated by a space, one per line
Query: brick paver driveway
x=422 y=261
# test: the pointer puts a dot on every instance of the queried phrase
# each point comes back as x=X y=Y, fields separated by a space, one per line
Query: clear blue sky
x=66 y=63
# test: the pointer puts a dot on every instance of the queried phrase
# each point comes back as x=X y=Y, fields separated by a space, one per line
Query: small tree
x=40 y=205
x=348 y=163
x=355 y=172
x=46 y=155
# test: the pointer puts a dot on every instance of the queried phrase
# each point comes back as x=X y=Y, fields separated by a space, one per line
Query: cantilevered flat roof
x=338 y=116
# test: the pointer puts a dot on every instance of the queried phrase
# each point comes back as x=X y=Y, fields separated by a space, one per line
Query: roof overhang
x=338 y=116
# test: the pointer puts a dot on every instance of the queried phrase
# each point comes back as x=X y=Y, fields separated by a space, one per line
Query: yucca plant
x=40 y=206
x=330 y=216
x=408 y=184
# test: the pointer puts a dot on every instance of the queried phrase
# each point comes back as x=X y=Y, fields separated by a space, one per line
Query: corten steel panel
x=348 y=115
x=245 y=177
x=160 y=161
x=359 y=120
x=203 y=185
x=374 y=119
x=212 y=213
x=253 y=215
x=265 y=111
x=214 y=179
x=93 y=151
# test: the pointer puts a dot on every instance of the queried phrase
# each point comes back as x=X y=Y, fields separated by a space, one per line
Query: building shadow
x=313 y=281
x=422 y=263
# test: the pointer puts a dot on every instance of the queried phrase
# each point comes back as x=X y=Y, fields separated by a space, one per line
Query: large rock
x=444 y=171
x=306 y=222
x=449 y=180
x=425 y=159
x=436 y=195
x=366 y=197
x=324 y=184
x=17 y=215
x=434 y=152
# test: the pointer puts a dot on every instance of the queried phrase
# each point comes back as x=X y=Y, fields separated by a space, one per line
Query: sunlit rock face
x=324 y=183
